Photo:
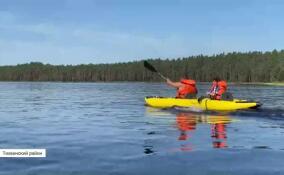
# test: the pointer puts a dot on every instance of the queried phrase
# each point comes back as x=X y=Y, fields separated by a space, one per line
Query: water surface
x=104 y=128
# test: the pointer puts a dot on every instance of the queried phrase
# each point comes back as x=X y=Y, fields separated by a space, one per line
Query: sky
x=111 y=31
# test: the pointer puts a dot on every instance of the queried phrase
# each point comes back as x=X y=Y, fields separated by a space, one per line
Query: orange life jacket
x=218 y=88
x=188 y=88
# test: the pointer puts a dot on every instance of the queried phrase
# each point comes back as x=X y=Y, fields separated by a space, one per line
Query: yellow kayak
x=204 y=104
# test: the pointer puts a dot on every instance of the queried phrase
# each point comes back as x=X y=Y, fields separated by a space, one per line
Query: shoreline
x=234 y=83
x=260 y=83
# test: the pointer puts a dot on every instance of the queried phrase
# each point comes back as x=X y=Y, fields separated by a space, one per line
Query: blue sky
x=108 y=31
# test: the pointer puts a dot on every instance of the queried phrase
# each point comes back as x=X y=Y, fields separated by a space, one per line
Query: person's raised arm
x=173 y=84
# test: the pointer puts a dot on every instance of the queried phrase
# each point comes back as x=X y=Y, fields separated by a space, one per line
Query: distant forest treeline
x=234 y=67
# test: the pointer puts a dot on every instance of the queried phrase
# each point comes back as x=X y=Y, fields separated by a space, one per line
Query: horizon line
x=161 y=58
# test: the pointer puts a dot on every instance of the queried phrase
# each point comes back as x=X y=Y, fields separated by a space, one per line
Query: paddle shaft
x=162 y=76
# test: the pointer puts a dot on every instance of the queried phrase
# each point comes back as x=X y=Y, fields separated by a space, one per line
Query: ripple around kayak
x=272 y=114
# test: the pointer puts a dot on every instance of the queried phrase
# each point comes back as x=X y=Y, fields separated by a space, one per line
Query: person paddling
x=218 y=88
x=186 y=88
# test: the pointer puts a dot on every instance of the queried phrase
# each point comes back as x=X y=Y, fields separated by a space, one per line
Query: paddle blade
x=149 y=67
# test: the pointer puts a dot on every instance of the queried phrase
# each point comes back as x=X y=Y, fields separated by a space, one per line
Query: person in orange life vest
x=186 y=88
x=218 y=88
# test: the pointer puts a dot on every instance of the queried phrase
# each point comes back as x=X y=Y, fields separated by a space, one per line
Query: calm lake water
x=104 y=128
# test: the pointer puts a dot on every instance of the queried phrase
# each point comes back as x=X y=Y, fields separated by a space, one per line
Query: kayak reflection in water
x=187 y=122
x=218 y=133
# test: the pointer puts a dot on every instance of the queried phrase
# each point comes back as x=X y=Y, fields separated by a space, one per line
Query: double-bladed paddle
x=153 y=69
